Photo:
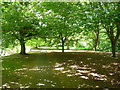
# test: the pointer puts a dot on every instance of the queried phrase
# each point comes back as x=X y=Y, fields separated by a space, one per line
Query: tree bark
x=113 y=45
x=62 y=44
x=114 y=40
x=22 y=43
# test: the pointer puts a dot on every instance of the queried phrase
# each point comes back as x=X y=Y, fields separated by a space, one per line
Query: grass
x=61 y=70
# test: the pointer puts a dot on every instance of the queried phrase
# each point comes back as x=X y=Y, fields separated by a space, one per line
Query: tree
x=62 y=25
x=19 y=21
x=91 y=21
x=110 y=20
x=104 y=15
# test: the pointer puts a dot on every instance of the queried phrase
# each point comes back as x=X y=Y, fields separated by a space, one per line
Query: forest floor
x=61 y=70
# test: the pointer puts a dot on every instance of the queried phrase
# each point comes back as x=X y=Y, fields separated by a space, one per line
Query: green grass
x=84 y=48
x=60 y=70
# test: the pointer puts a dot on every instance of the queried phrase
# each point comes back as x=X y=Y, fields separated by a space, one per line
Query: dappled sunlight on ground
x=6 y=85
x=84 y=72
x=40 y=84
x=61 y=68
x=58 y=70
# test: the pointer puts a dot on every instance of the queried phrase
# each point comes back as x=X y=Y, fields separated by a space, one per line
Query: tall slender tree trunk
x=96 y=40
x=62 y=44
x=63 y=41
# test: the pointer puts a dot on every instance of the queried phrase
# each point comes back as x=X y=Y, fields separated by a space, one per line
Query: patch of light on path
x=58 y=65
x=61 y=68
x=40 y=84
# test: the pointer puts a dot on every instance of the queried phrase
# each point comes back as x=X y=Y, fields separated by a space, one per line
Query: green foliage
x=48 y=23
x=18 y=22
x=35 y=42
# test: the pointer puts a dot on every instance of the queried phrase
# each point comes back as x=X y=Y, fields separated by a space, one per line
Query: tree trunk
x=22 y=43
x=113 y=45
x=96 y=40
x=62 y=44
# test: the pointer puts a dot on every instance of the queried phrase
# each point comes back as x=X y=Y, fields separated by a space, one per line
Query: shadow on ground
x=60 y=70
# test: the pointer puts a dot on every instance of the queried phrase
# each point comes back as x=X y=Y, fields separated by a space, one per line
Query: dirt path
x=74 y=51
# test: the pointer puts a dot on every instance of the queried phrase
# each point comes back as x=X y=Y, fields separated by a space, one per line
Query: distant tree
x=62 y=26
